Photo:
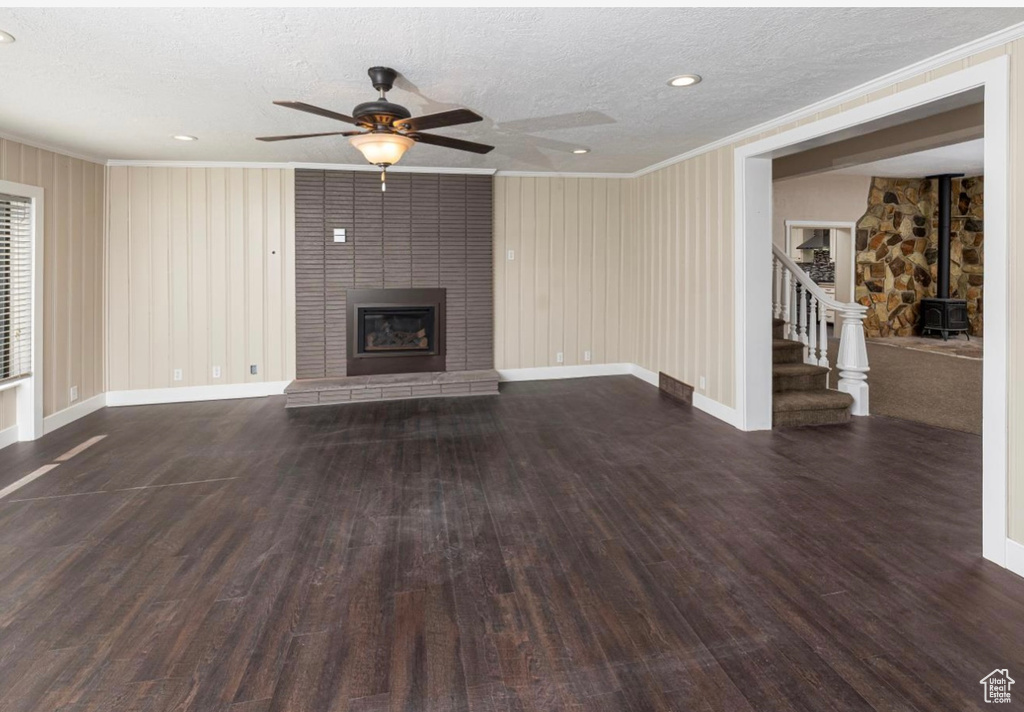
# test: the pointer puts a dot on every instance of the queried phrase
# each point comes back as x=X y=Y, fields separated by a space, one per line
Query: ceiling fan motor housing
x=380 y=112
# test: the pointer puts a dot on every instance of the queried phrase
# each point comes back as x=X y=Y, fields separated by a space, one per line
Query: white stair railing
x=803 y=305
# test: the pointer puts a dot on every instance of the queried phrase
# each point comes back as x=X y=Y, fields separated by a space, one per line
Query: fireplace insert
x=395 y=331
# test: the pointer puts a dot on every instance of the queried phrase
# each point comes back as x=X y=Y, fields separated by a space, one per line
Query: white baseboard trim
x=8 y=436
x=548 y=373
x=551 y=373
x=187 y=394
x=644 y=374
x=70 y=415
x=716 y=409
x=1015 y=557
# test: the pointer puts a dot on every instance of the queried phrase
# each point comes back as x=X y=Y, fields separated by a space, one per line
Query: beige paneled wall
x=200 y=274
x=572 y=285
x=73 y=272
x=684 y=223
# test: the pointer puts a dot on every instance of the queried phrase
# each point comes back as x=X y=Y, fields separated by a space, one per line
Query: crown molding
x=52 y=149
x=295 y=164
x=553 y=174
x=996 y=39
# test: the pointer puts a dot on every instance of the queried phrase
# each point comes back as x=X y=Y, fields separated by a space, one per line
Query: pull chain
x=383 y=184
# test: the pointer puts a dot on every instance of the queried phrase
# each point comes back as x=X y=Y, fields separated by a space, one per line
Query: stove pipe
x=945 y=209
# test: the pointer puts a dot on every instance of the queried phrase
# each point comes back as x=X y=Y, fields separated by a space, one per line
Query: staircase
x=800 y=366
x=800 y=394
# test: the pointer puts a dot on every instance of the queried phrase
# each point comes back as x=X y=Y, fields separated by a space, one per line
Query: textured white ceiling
x=967 y=158
x=116 y=83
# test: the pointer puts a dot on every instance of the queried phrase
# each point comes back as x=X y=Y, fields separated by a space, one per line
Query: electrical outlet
x=216 y=371
x=339 y=234
x=586 y=355
x=702 y=383
x=253 y=370
x=178 y=375
x=559 y=358
x=511 y=255
x=74 y=393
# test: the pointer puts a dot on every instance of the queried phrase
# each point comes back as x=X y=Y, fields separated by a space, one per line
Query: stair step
x=822 y=407
x=778 y=329
x=787 y=351
x=798 y=377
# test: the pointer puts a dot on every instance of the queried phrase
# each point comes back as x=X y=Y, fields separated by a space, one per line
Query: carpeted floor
x=929 y=388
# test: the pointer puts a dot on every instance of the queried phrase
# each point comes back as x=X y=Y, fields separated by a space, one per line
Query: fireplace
x=942 y=314
x=395 y=331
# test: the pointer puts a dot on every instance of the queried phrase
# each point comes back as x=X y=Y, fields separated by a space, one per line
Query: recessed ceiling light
x=581 y=150
x=684 y=80
x=6 y=37
x=183 y=137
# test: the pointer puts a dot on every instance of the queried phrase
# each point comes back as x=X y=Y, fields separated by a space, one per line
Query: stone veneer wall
x=897 y=250
x=427 y=230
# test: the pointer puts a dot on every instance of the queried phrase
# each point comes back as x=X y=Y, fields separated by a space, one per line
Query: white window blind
x=15 y=287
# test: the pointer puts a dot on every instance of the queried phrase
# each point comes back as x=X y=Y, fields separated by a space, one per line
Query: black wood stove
x=940 y=314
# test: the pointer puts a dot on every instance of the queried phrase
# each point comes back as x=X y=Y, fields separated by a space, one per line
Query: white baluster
x=823 y=336
x=853 y=358
x=794 y=308
x=802 y=316
x=787 y=291
x=776 y=287
x=811 y=352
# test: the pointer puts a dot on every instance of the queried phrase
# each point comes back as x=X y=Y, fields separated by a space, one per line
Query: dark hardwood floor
x=575 y=545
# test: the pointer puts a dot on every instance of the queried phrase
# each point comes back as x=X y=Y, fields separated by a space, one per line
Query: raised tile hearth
x=392 y=386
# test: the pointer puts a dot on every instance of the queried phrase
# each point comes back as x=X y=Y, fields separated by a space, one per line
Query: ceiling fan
x=389 y=129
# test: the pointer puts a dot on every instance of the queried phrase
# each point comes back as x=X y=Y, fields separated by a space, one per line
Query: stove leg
x=945 y=335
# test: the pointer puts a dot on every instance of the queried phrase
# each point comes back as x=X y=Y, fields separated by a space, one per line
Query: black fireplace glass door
x=396 y=331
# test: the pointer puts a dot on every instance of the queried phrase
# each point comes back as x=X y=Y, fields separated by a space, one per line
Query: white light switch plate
x=339 y=234
x=511 y=255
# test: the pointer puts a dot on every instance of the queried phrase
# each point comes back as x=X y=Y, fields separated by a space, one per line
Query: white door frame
x=753 y=239
x=30 y=390
x=831 y=225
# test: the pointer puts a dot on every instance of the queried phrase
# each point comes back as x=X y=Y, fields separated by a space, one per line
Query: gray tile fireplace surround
x=428 y=231
x=392 y=386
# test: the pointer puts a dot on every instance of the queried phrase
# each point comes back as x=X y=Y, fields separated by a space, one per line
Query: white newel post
x=853 y=358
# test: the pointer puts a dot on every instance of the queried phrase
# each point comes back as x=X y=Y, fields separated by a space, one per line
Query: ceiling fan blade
x=289 y=138
x=310 y=109
x=439 y=120
x=456 y=143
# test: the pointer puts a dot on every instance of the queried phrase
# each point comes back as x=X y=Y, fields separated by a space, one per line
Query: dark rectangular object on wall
x=675 y=388
x=427 y=231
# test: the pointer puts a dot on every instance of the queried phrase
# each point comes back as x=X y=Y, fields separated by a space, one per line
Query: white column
x=853 y=358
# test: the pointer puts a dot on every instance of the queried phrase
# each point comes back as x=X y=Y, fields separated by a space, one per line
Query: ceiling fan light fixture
x=684 y=80
x=382 y=149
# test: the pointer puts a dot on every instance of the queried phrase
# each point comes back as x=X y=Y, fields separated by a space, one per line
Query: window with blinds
x=15 y=287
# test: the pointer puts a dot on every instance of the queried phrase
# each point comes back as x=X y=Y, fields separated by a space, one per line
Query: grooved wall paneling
x=200 y=274
x=426 y=230
x=72 y=337
x=572 y=286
